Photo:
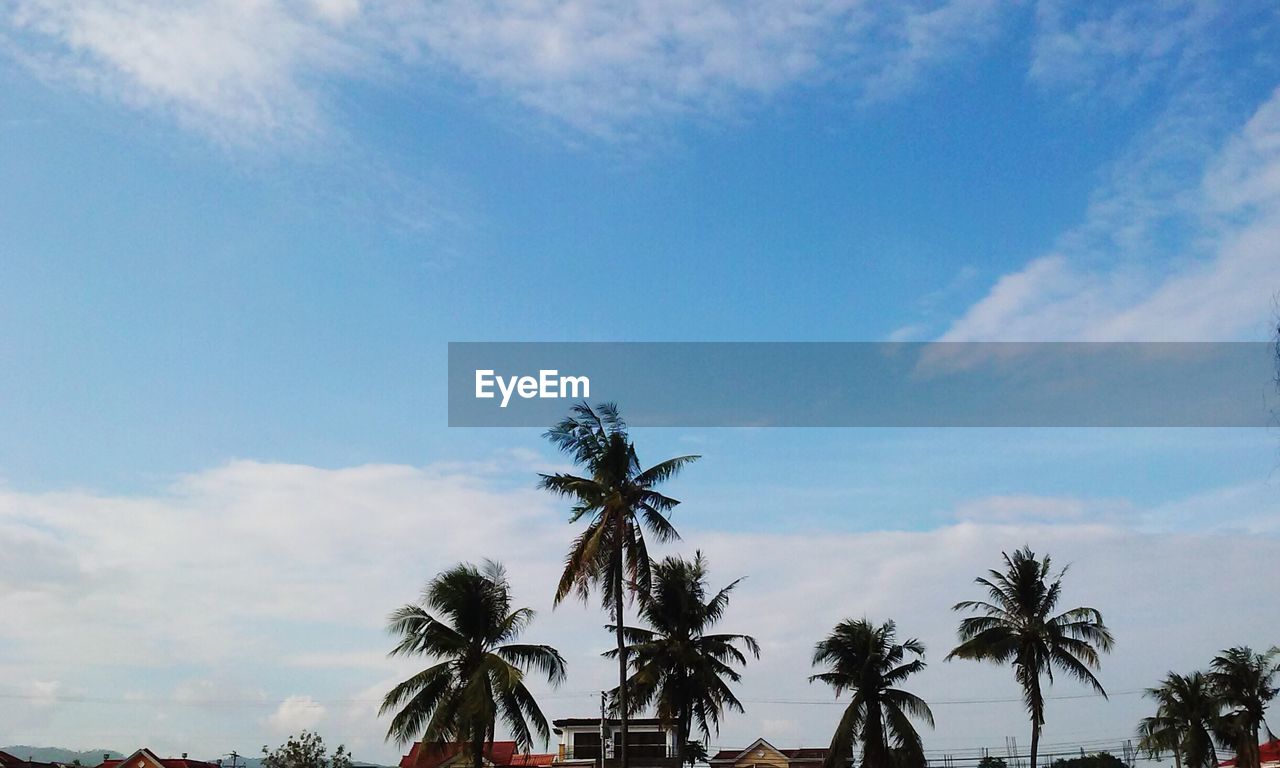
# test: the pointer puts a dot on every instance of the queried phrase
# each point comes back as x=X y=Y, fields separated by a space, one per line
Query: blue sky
x=235 y=238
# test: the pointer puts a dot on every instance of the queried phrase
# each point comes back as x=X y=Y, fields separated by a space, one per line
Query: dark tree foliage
x=1245 y=683
x=1187 y=714
x=306 y=750
x=681 y=668
x=1096 y=760
x=866 y=661
x=695 y=752
x=468 y=627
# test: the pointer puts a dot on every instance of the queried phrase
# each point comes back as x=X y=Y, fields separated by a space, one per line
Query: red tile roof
x=164 y=762
x=531 y=760
x=1268 y=753
x=501 y=753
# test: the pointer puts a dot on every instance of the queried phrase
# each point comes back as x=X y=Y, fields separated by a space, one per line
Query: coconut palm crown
x=1245 y=682
x=679 y=668
x=868 y=662
x=466 y=623
x=1017 y=625
x=1187 y=710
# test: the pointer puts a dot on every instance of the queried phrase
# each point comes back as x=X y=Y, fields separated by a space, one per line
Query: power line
x=267 y=701
x=946 y=702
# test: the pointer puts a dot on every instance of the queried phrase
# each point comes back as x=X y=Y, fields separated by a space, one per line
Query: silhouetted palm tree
x=618 y=498
x=867 y=661
x=1186 y=714
x=678 y=668
x=695 y=752
x=1017 y=626
x=466 y=622
x=1245 y=684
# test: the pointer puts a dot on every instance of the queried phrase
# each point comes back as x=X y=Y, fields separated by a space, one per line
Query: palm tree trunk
x=477 y=751
x=1177 y=757
x=622 y=660
x=1035 y=699
x=682 y=738
x=874 y=746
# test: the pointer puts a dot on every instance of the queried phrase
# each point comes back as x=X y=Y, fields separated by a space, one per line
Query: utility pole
x=604 y=706
x=235 y=758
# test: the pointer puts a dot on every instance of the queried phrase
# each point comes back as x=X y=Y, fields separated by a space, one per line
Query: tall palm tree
x=466 y=623
x=679 y=668
x=618 y=499
x=867 y=661
x=1246 y=682
x=1017 y=625
x=1186 y=714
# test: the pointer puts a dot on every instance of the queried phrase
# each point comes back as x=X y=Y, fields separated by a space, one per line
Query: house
x=650 y=742
x=11 y=761
x=145 y=758
x=762 y=754
x=499 y=754
x=1268 y=756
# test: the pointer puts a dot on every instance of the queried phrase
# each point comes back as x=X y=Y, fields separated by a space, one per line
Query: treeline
x=681 y=668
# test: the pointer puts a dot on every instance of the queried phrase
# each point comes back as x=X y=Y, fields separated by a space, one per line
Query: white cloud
x=282 y=576
x=1252 y=510
x=45 y=693
x=927 y=35
x=296 y=714
x=1120 y=276
x=909 y=332
x=223 y=67
x=241 y=69
x=1117 y=49
x=204 y=692
x=245 y=70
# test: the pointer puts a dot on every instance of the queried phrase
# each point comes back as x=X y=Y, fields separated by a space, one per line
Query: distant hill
x=89 y=757
x=92 y=757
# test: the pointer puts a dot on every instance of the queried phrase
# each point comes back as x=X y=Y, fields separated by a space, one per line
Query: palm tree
x=465 y=621
x=1186 y=713
x=868 y=661
x=1017 y=625
x=1246 y=682
x=619 y=501
x=679 y=668
x=695 y=752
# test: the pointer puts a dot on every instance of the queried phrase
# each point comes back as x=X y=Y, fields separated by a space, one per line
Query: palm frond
x=474 y=677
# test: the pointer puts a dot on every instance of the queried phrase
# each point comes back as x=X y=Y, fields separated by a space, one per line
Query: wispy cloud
x=249 y=69
x=1119 y=49
x=1164 y=253
x=227 y=68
